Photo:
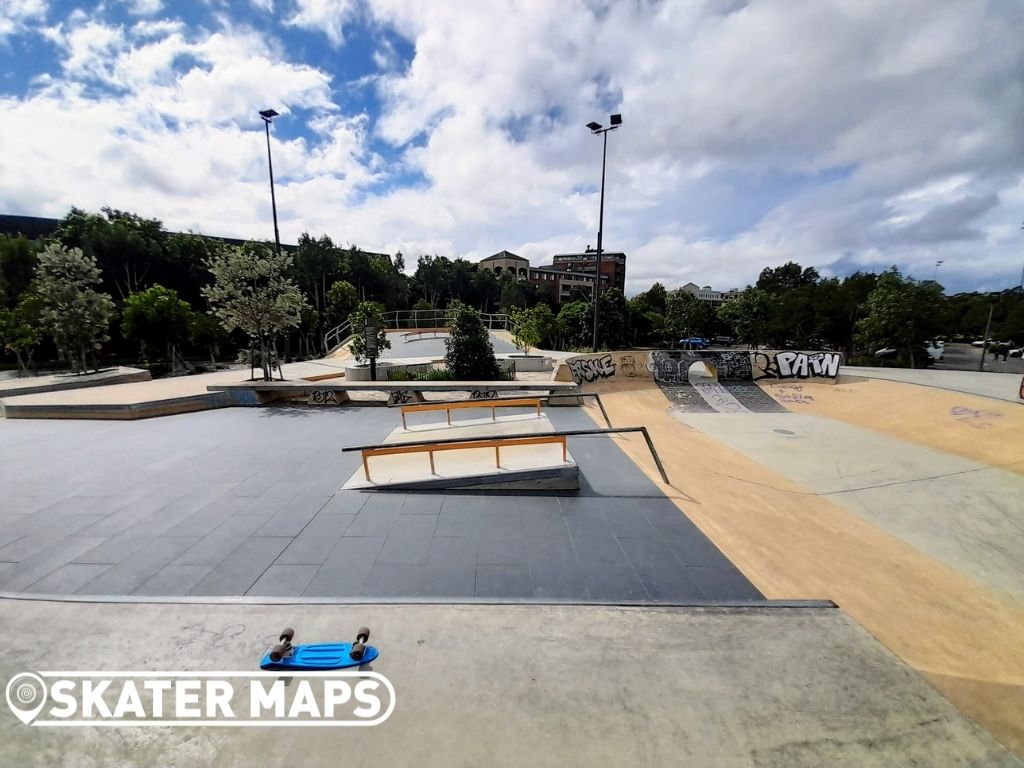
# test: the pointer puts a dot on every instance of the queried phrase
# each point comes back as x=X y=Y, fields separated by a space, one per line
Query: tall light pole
x=268 y=115
x=937 y=265
x=595 y=128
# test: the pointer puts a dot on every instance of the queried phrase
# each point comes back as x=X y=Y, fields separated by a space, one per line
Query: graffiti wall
x=586 y=369
x=673 y=366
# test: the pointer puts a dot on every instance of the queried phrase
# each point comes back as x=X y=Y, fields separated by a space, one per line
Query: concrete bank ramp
x=507 y=685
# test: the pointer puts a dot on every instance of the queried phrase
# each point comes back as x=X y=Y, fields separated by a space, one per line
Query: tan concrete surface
x=966 y=514
x=517 y=686
x=979 y=428
x=793 y=543
x=162 y=389
x=1002 y=386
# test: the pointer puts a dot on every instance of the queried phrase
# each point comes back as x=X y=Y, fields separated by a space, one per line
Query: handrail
x=451 y=405
x=411 y=318
x=449 y=445
x=560 y=433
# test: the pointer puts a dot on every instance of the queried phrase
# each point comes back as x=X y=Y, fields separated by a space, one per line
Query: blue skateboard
x=315 y=656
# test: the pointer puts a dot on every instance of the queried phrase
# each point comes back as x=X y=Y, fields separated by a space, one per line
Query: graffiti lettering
x=628 y=365
x=483 y=394
x=400 y=396
x=590 y=369
x=798 y=365
x=323 y=397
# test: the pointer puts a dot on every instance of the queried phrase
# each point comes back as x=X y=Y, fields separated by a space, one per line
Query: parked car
x=723 y=341
x=981 y=342
x=694 y=342
x=887 y=353
x=1018 y=352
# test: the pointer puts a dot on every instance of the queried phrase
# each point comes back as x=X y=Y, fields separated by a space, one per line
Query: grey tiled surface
x=247 y=501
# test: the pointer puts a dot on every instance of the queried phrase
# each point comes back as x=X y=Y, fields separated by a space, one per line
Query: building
x=569 y=285
x=613 y=266
x=707 y=293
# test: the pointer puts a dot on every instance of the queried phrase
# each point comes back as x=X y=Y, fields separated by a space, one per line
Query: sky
x=842 y=134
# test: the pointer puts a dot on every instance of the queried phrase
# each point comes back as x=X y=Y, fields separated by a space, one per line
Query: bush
x=435 y=374
x=470 y=355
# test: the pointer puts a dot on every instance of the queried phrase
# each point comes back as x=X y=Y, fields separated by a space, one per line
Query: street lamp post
x=595 y=128
x=268 y=115
x=937 y=265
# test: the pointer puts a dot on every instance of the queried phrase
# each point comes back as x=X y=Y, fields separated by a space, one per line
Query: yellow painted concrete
x=979 y=428
x=792 y=543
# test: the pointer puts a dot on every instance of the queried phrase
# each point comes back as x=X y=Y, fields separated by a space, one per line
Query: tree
x=72 y=311
x=342 y=299
x=251 y=291
x=901 y=313
x=748 y=315
x=19 y=330
x=207 y=333
x=367 y=310
x=686 y=315
x=526 y=331
x=17 y=265
x=611 y=319
x=158 y=320
x=574 y=325
x=470 y=355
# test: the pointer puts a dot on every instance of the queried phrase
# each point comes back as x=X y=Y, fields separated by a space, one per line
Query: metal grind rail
x=419 y=446
x=485 y=403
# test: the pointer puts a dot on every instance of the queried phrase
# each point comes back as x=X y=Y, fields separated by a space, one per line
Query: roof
x=501 y=255
x=592 y=254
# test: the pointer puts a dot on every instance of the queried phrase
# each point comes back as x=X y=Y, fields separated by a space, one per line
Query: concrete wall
x=673 y=366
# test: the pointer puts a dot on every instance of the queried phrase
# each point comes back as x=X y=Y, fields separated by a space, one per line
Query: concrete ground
x=507 y=685
x=903 y=573
x=994 y=382
x=249 y=501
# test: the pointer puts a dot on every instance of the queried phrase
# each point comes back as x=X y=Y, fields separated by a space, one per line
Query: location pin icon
x=26 y=695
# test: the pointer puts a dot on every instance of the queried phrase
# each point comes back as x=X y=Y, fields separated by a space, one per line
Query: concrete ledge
x=120 y=411
x=34 y=385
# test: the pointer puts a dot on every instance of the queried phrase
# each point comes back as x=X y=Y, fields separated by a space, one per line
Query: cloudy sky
x=845 y=134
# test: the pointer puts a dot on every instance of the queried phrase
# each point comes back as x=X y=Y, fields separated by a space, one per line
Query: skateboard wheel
x=357 y=651
x=277 y=652
x=287 y=634
x=363 y=635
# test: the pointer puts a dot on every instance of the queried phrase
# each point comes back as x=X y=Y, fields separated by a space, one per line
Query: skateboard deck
x=314 y=656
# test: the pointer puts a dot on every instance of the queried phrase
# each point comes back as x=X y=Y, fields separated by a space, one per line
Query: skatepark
x=830 y=576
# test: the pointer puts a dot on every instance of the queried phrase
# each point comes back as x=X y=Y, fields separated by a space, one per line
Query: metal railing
x=484 y=402
x=493 y=404
x=413 y=318
x=488 y=441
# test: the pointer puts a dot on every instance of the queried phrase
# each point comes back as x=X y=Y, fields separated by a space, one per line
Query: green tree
x=19 y=330
x=686 y=315
x=72 y=311
x=611 y=319
x=158 y=320
x=208 y=334
x=17 y=266
x=901 y=313
x=367 y=310
x=574 y=325
x=526 y=331
x=342 y=299
x=749 y=315
x=470 y=355
x=252 y=292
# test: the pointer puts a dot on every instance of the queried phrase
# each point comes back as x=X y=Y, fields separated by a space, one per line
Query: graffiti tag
x=974 y=418
x=798 y=365
x=590 y=369
x=483 y=394
x=628 y=365
x=323 y=397
x=400 y=397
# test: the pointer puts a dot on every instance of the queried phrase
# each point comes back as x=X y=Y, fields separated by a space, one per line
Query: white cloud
x=16 y=14
x=144 y=7
x=838 y=133
x=327 y=16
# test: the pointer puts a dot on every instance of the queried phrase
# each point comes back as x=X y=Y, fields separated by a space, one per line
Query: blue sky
x=836 y=134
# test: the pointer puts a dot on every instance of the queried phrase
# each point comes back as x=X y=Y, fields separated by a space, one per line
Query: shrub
x=470 y=355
